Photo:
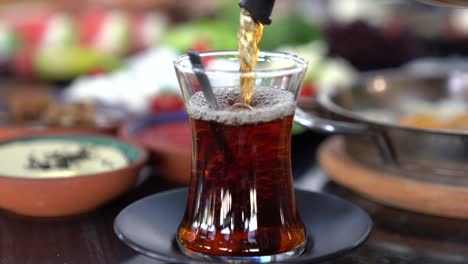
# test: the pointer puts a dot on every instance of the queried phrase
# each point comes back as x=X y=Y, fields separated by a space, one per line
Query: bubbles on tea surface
x=240 y=107
x=267 y=104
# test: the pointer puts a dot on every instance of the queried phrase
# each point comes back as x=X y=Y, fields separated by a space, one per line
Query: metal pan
x=429 y=154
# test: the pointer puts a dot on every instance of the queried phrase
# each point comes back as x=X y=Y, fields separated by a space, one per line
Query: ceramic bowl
x=170 y=144
x=63 y=196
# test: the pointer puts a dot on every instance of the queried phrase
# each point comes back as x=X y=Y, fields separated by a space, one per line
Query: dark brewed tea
x=241 y=199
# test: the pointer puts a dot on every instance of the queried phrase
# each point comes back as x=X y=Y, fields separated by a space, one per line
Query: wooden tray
x=390 y=189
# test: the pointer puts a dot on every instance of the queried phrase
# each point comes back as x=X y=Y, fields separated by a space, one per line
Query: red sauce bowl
x=167 y=136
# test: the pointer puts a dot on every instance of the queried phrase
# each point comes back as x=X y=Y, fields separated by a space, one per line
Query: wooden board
x=424 y=197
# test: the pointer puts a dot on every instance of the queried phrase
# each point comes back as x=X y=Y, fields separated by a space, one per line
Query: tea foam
x=267 y=104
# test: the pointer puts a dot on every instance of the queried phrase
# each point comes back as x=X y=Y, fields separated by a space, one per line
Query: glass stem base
x=243 y=259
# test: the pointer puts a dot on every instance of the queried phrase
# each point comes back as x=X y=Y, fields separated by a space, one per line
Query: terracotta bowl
x=8 y=132
x=169 y=143
x=63 y=196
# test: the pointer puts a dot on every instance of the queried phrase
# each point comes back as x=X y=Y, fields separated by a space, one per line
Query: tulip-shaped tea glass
x=241 y=204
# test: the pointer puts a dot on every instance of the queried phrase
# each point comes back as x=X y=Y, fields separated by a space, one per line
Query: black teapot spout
x=260 y=10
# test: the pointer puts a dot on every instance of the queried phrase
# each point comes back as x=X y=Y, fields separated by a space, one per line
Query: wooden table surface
x=87 y=238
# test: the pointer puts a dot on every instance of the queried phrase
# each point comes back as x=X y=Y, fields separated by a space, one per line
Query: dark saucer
x=149 y=226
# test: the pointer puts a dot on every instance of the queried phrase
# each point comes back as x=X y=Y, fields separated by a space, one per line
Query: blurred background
x=113 y=58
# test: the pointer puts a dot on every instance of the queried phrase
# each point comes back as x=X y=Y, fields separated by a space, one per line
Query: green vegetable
x=71 y=62
x=117 y=41
x=221 y=32
x=298 y=129
x=229 y=14
x=289 y=30
x=216 y=34
x=65 y=33
x=8 y=44
x=314 y=52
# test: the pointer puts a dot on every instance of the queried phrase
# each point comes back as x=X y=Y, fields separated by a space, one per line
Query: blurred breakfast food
x=63 y=173
x=66 y=115
x=116 y=52
x=39 y=108
x=450 y=115
x=167 y=137
x=425 y=121
x=56 y=44
x=209 y=33
x=55 y=158
x=145 y=75
x=446 y=114
x=27 y=106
